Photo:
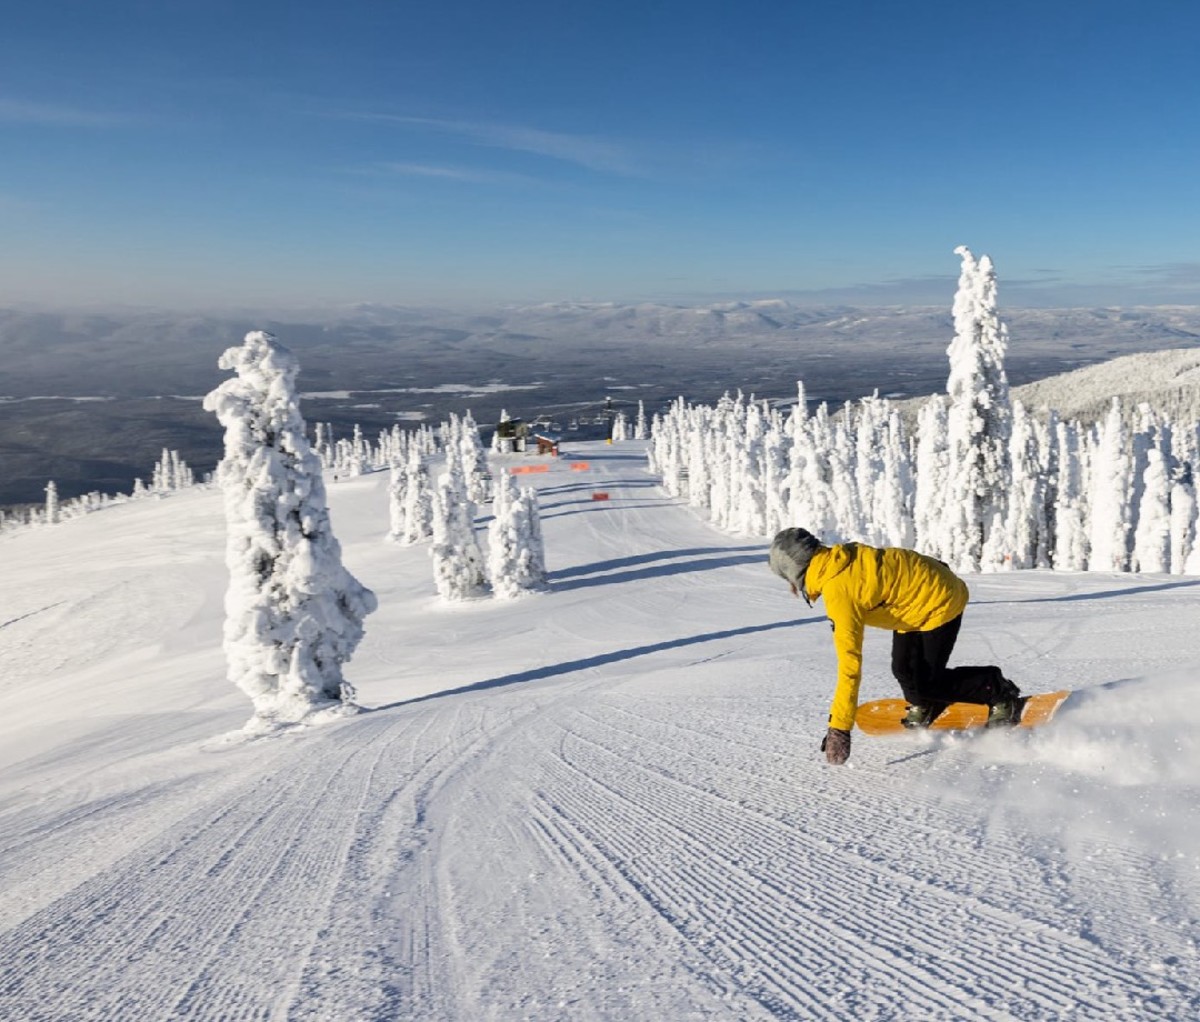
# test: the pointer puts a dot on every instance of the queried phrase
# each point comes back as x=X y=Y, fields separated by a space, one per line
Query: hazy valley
x=90 y=400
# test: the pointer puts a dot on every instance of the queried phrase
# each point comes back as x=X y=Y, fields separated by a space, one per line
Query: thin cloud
x=582 y=150
x=1183 y=274
x=20 y=111
x=467 y=175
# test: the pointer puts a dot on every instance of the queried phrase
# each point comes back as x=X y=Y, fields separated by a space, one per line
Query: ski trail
x=626 y=820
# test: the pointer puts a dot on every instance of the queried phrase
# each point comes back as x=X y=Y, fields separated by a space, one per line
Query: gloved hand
x=836 y=746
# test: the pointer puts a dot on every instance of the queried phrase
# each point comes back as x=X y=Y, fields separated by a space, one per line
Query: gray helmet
x=791 y=551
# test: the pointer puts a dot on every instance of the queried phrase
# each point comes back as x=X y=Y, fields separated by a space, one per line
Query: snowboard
x=883 y=716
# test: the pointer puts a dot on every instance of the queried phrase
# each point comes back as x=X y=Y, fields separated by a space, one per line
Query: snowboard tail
x=884 y=716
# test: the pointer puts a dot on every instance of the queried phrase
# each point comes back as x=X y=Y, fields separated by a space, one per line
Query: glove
x=836 y=746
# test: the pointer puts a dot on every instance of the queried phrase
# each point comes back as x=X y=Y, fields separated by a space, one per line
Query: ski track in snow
x=648 y=836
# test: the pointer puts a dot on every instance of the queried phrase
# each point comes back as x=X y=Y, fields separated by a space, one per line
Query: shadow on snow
x=599 y=660
x=657 y=571
x=657 y=555
x=1107 y=594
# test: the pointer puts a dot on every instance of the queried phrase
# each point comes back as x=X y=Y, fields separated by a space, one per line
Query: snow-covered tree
x=1110 y=496
x=620 y=432
x=474 y=461
x=418 y=500
x=51 y=503
x=516 y=551
x=496 y=433
x=397 y=505
x=978 y=423
x=1152 y=537
x=641 y=430
x=458 y=563
x=293 y=612
x=1026 y=528
x=931 y=480
x=1070 y=527
x=848 y=520
x=1183 y=520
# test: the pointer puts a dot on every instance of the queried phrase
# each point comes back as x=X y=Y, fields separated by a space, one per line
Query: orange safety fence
x=524 y=470
x=597 y=495
x=580 y=466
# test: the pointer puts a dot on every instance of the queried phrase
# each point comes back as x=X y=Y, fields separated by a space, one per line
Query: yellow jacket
x=900 y=590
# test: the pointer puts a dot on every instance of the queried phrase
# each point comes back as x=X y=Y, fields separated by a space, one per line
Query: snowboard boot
x=918 y=716
x=1006 y=710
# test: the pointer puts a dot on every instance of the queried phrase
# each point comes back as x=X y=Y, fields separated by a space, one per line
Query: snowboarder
x=919 y=599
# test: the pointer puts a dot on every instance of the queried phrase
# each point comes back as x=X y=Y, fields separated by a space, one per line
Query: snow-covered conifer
x=418 y=500
x=748 y=489
x=516 y=555
x=496 y=433
x=458 y=562
x=894 y=486
x=930 y=484
x=698 y=456
x=1152 y=537
x=641 y=430
x=620 y=432
x=397 y=478
x=847 y=507
x=1070 y=552
x=774 y=473
x=1109 y=497
x=473 y=459
x=1025 y=526
x=1183 y=520
x=293 y=612
x=978 y=423
x=52 y=509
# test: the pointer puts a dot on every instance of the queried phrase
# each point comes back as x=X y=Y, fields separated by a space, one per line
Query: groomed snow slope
x=600 y=803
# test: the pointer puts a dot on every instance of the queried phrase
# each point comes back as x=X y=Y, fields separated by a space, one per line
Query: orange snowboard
x=883 y=716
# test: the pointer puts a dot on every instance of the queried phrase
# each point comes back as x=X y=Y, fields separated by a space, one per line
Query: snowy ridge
x=601 y=802
x=1169 y=380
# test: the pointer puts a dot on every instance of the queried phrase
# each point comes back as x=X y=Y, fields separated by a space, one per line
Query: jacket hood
x=826 y=563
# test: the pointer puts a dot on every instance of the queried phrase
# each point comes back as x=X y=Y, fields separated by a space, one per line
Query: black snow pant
x=919 y=664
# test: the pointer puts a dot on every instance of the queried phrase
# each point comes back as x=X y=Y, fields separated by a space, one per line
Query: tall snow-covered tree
x=1183 y=520
x=848 y=520
x=294 y=613
x=1110 y=496
x=52 y=507
x=397 y=505
x=894 y=487
x=774 y=474
x=641 y=430
x=978 y=422
x=620 y=431
x=1152 y=536
x=1070 y=527
x=516 y=551
x=473 y=459
x=418 y=499
x=1026 y=528
x=930 y=483
x=458 y=563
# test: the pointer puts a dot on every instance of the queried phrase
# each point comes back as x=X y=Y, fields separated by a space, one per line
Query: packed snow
x=602 y=801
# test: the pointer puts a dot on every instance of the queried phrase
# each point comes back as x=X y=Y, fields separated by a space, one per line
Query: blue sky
x=207 y=154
